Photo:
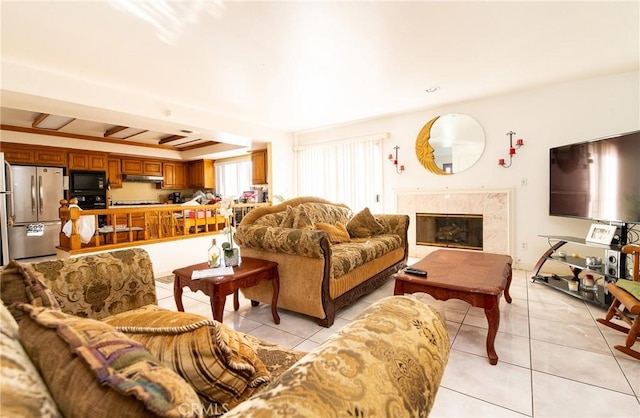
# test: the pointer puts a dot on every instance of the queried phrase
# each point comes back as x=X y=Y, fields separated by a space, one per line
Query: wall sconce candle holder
x=394 y=161
x=512 y=149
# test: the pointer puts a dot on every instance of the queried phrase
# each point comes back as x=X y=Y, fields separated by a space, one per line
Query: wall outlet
x=523 y=245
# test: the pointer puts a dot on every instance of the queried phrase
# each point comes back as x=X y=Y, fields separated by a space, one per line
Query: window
x=233 y=177
x=348 y=172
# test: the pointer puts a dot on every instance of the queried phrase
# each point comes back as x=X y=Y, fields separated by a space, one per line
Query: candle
x=401 y=168
x=391 y=156
x=512 y=151
x=501 y=161
x=519 y=142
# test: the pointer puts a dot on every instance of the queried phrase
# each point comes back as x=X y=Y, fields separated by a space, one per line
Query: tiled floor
x=555 y=360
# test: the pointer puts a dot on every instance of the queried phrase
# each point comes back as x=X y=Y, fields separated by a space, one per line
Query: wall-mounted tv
x=597 y=180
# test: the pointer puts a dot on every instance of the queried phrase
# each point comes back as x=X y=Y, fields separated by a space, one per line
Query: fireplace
x=494 y=205
x=450 y=230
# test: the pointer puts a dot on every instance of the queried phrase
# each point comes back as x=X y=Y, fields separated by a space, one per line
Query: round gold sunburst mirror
x=450 y=143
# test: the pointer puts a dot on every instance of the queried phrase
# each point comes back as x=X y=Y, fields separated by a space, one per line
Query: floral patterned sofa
x=327 y=256
x=84 y=337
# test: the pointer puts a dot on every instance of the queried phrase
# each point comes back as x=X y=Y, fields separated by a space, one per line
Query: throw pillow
x=219 y=363
x=302 y=220
x=20 y=283
x=22 y=391
x=289 y=217
x=93 y=371
x=337 y=233
x=364 y=225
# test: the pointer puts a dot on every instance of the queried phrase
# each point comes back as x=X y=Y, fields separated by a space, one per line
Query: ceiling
x=63 y=126
x=242 y=73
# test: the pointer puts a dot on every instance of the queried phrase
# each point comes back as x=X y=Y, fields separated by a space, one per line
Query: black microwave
x=87 y=181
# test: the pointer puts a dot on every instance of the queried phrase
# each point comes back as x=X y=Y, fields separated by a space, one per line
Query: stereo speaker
x=614 y=263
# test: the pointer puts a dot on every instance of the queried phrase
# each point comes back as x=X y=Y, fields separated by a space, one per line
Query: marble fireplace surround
x=493 y=205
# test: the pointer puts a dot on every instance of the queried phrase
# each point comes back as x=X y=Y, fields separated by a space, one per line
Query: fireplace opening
x=449 y=230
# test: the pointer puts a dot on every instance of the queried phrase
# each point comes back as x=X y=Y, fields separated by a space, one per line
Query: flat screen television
x=597 y=180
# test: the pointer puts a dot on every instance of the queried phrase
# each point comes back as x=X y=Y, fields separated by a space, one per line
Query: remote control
x=415 y=271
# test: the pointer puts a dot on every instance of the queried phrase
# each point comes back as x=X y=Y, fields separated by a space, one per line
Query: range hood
x=142 y=179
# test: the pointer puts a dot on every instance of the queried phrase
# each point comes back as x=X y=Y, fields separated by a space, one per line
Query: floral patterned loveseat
x=327 y=256
x=387 y=362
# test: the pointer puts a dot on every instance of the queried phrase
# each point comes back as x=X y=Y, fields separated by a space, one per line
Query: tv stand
x=613 y=267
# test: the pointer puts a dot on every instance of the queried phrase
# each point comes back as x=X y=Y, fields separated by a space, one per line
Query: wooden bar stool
x=628 y=301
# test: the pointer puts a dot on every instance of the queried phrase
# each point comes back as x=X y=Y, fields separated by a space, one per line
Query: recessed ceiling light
x=432 y=89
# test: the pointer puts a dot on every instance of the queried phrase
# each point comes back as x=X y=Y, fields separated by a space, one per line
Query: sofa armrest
x=304 y=242
x=387 y=362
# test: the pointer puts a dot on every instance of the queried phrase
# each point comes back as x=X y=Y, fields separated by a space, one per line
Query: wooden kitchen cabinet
x=114 y=173
x=87 y=161
x=174 y=176
x=139 y=166
x=201 y=175
x=48 y=156
x=17 y=153
x=29 y=154
x=259 y=167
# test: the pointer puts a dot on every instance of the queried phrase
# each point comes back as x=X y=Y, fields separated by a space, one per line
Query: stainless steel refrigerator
x=32 y=201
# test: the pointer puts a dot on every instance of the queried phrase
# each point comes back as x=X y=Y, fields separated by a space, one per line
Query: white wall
x=544 y=117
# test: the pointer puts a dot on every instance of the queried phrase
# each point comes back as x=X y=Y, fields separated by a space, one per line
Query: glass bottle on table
x=214 y=255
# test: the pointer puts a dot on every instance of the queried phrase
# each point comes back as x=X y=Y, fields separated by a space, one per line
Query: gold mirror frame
x=425 y=151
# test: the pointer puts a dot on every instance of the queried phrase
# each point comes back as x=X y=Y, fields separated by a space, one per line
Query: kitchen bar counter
x=130 y=225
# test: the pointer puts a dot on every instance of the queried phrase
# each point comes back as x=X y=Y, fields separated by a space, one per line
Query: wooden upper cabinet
x=200 y=174
x=259 y=167
x=131 y=166
x=17 y=154
x=82 y=160
x=174 y=176
x=114 y=174
x=55 y=157
x=152 y=167
x=30 y=154
x=141 y=166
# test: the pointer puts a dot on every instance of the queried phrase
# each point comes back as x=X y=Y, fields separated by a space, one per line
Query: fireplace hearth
x=449 y=230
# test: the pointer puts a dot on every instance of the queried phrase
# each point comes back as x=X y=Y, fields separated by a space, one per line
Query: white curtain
x=233 y=177
x=347 y=172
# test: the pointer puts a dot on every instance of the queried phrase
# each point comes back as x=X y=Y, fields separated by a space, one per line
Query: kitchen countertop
x=150 y=205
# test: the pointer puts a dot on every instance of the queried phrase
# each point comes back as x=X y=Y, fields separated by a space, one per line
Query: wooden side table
x=251 y=272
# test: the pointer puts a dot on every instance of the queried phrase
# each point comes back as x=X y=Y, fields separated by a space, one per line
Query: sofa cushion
x=326 y=212
x=92 y=370
x=100 y=285
x=348 y=256
x=217 y=361
x=271 y=219
x=364 y=225
x=388 y=362
x=22 y=391
x=20 y=283
x=337 y=233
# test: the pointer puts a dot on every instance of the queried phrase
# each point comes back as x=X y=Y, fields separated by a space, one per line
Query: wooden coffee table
x=475 y=277
x=251 y=272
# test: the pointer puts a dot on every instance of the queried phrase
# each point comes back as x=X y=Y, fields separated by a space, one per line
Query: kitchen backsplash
x=143 y=192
